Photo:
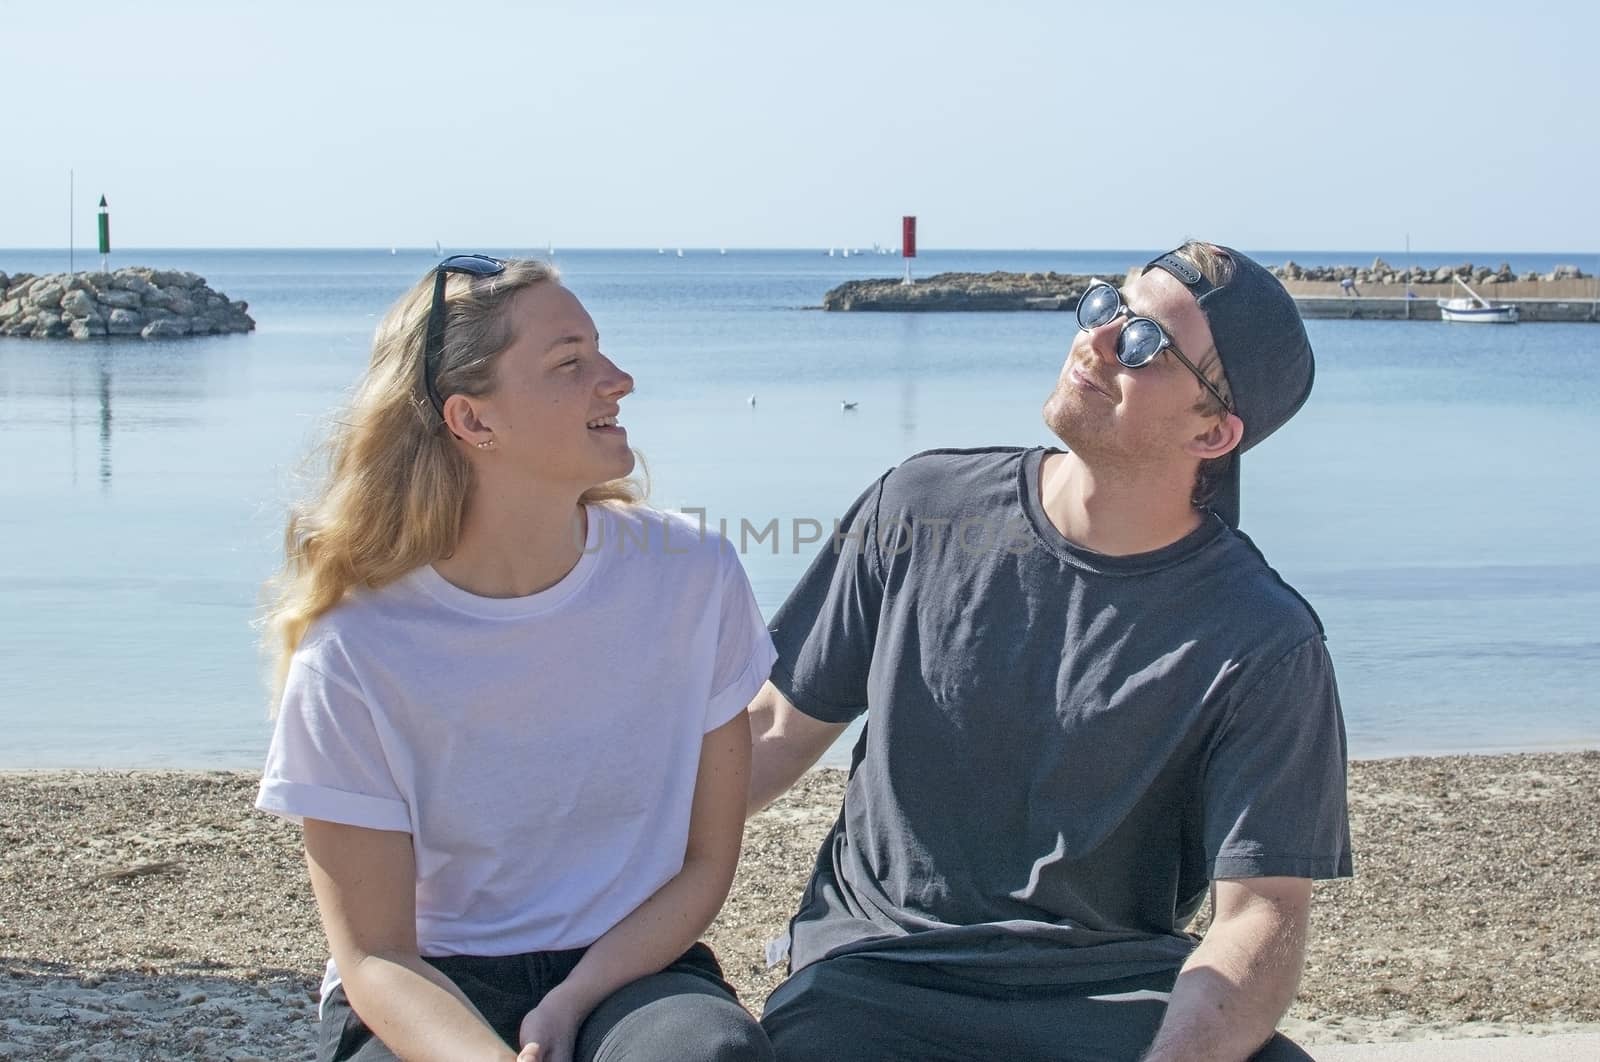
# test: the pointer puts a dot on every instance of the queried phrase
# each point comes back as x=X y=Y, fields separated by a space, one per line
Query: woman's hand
x=550 y=1031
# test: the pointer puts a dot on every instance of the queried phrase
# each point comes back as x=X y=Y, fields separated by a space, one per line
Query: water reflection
x=905 y=366
x=103 y=362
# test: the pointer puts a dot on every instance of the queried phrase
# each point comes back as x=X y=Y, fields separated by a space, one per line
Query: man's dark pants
x=864 y=1009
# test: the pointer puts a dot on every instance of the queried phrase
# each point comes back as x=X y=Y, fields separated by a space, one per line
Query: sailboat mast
x=1481 y=300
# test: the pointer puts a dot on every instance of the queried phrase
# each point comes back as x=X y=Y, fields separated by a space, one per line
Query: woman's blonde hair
x=395 y=487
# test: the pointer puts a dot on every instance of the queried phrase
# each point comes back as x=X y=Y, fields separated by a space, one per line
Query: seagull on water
x=845 y=404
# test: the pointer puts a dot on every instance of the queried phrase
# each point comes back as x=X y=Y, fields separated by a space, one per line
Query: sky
x=1000 y=123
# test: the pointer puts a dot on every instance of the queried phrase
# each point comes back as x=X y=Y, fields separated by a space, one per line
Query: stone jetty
x=1375 y=292
x=962 y=291
x=1381 y=273
x=136 y=301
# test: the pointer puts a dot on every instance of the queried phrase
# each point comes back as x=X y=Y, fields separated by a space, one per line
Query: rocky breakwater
x=1380 y=273
x=152 y=303
x=961 y=291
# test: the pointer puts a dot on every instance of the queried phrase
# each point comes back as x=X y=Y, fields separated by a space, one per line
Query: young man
x=1089 y=701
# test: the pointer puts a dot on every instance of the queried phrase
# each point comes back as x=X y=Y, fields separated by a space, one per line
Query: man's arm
x=1243 y=976
x=784 y=741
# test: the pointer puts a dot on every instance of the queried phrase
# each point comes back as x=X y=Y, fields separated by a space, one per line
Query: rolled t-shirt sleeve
x=326 y=760
x=826 y=630
x=744 y=648
x=1274 y=787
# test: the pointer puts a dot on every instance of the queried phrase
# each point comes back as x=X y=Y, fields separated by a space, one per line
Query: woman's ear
x=1219 y=439
x=461 y=417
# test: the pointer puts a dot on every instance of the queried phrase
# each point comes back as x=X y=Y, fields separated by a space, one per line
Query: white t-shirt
x=541 y=751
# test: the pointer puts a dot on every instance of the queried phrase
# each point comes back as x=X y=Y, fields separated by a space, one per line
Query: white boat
x=1471 y=311
x=1476 y=309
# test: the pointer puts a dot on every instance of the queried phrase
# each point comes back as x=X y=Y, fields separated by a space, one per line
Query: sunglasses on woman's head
x=474 y=265
x=1140 y=340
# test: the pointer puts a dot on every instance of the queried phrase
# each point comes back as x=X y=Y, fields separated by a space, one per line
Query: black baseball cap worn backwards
x=1265 y=354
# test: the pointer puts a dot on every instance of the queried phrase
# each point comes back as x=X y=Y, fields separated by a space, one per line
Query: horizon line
x=717 y=249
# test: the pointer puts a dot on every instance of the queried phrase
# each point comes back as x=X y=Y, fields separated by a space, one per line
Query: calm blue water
x=1437 y=500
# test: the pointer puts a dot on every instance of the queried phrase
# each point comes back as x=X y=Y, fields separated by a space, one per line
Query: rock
x=47 y=294
x=87 y=328
x=168 y=278
x=1380 y=266
x=130 y=282
x=78 y=303
x=123 y=322
x=180 y=303
x=11 y=308
x=165 y=328
x=49 y=326
x=203 y=326
x=126 y=300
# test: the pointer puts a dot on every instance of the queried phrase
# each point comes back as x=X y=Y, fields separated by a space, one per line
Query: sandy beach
x=155 y=915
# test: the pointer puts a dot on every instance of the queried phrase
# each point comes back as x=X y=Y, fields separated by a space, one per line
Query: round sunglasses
x=1141 y=338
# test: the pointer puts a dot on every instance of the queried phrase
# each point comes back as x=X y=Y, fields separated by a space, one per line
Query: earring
x=485 y=444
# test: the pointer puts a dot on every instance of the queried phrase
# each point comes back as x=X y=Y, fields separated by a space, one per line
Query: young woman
x=511 y=712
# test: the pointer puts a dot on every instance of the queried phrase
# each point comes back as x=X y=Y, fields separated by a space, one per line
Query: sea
x=1437 y=500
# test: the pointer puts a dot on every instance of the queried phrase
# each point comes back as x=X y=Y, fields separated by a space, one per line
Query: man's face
x=1102 y=408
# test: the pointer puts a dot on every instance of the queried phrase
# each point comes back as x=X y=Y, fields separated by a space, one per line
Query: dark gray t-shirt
x=1062 y=748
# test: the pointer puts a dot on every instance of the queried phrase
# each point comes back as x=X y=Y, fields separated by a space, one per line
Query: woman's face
x=553 y=409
